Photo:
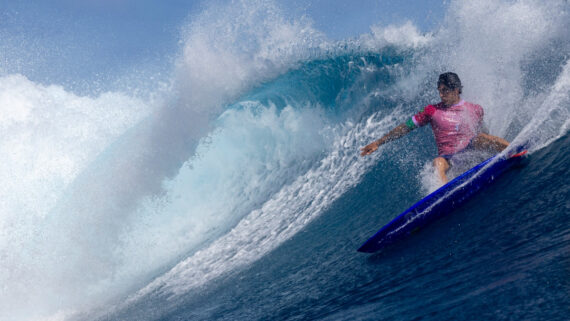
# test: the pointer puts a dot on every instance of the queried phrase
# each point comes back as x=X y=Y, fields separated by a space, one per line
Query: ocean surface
x=234 y=189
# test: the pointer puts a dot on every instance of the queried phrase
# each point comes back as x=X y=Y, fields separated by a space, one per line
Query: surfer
x=457 y=126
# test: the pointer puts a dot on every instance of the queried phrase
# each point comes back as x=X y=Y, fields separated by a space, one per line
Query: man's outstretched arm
x=394 y=134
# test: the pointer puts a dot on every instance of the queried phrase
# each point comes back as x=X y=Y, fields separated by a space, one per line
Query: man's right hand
x=369 y=149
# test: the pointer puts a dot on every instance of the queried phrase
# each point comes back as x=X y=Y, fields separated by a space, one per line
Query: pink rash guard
x=453 y=127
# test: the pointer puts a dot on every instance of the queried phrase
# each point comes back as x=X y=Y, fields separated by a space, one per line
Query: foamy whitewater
x=235 y=191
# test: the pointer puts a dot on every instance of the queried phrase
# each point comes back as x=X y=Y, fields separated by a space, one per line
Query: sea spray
x=49 y=136
x=87 y=211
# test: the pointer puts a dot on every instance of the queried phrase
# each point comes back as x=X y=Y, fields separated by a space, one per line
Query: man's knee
x=441 y=163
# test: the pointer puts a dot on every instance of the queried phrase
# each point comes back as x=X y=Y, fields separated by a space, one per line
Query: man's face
x=448 y=96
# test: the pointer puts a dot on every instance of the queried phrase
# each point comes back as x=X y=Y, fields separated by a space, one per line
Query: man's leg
x=441 y=165
x=490 y=143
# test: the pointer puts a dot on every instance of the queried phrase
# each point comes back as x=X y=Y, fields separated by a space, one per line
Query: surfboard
x=443 y=201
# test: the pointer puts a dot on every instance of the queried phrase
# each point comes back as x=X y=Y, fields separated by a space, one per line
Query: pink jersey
x=453 y=127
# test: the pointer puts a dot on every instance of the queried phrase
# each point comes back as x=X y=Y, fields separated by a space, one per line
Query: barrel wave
x=235 y=190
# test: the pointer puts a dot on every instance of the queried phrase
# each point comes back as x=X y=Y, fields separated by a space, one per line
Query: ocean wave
x=256 y=135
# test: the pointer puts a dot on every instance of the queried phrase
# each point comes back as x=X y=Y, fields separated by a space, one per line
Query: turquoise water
x=502 y=256
x=235 y=190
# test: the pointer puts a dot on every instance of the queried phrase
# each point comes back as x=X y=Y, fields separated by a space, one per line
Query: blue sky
x=341 y=19
x=70 y=42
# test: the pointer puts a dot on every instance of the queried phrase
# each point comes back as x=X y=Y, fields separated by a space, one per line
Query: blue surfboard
x=443 y=201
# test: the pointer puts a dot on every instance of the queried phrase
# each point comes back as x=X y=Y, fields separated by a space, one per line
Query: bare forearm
x=392 y=135
x=490 y=142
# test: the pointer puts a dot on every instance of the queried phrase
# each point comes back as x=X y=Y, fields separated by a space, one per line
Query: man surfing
x=456 y=124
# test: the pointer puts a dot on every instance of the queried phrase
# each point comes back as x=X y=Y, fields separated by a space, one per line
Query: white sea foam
x=551 y=118
x=48 y=137
x=231 y=48
x=406 y=35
